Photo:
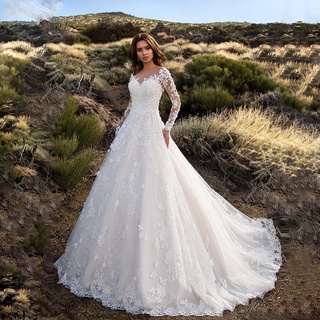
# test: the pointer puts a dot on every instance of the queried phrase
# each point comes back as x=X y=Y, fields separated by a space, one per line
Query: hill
x=250 y=34
x=261 y=152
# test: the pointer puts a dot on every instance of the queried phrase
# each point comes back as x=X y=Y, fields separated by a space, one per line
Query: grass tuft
x=251 y=140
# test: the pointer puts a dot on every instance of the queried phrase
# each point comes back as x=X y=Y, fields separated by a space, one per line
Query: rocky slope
x=62 y=28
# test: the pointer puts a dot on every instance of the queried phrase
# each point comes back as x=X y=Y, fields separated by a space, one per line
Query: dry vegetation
x=296 y=67
x=253 y=140
x=262 y=154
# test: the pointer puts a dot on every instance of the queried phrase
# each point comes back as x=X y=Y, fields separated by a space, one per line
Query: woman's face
x=144 y=51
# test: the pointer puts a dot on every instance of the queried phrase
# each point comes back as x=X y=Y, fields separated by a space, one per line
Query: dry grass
x=23 y=123
x=18 y=45
x=53 y=47
x=19 y=49
x=115 y=44
x=277 y=61
x=273 y=142
x=172 y=48
x=252 y=140
x=75 y=53
x=15 y=54
x=176 y=65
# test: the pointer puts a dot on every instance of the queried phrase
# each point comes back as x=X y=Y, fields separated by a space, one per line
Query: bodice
x=145 y=96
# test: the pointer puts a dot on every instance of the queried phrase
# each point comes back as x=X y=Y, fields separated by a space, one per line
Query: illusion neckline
x=148 y=77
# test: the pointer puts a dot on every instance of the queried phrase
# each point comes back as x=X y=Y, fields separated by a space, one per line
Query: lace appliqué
x=170 y=87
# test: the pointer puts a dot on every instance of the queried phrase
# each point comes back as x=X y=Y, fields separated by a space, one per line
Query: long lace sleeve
x=124 y=116
x=170 y=87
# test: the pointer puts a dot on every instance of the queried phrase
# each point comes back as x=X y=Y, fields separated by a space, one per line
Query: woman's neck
x=148 y=66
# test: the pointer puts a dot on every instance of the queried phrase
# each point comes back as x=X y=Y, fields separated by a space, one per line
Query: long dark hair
x=158 y=55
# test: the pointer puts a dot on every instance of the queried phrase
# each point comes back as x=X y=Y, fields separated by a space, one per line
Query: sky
x=195 y=11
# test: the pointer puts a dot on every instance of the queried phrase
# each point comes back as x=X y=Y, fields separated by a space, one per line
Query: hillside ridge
x=252 y=34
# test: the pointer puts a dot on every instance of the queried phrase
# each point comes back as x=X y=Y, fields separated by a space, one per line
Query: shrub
x=236 y=76
x=314 y=105
x=210 y=99
x=66 y=120
x=5 y=144
x=121 y=54
x=7 y=123
x=88 y=130
x=248 y=141
x=10 y=74
x=8 y=95
x=116 y=75
x=79 y=38
x=200 y=136
x=10 y=79
x=288 y=99
x=74 y=138
x=70 y=172
x=105 y=31
x=65 y=147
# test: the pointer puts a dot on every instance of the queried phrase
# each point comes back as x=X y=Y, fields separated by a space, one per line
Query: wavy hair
x=158 y=55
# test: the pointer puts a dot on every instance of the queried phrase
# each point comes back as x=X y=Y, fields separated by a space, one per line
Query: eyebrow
x=147 y=46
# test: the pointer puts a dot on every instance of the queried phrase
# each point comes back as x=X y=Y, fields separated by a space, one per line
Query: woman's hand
x=166 y=136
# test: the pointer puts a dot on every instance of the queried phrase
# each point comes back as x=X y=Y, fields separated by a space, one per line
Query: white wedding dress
x=153 y=237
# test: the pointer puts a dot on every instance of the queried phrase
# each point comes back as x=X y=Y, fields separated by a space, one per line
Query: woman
x=153 y=237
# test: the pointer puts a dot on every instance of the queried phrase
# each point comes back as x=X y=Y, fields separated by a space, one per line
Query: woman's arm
x=170 y=88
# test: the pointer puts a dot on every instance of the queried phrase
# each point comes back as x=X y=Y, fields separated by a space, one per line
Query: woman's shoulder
x=164 y=72
x=163 y=69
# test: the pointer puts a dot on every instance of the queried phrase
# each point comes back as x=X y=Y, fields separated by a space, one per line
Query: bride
x=153 y=237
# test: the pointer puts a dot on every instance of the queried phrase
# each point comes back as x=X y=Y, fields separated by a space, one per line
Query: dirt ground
x=296 y=295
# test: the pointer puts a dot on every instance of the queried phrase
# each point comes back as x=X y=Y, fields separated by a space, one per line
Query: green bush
x=210 y=99
x=65 y=147
x=10 y=72
x=288 y=99
x=213 y=82
x=5 y=144
x=121 y=54
x=88 y=130
x=70 y=172
x=8 y=95
x=74 y=137
x=237 y=77
x=66 y=119
x=79 y=38
x=11 y=80
x=116 y=75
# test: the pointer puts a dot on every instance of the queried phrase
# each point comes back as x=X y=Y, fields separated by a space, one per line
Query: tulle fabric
x=153 y=237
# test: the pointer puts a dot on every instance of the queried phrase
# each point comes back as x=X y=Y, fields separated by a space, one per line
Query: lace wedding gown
x=153 y=237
